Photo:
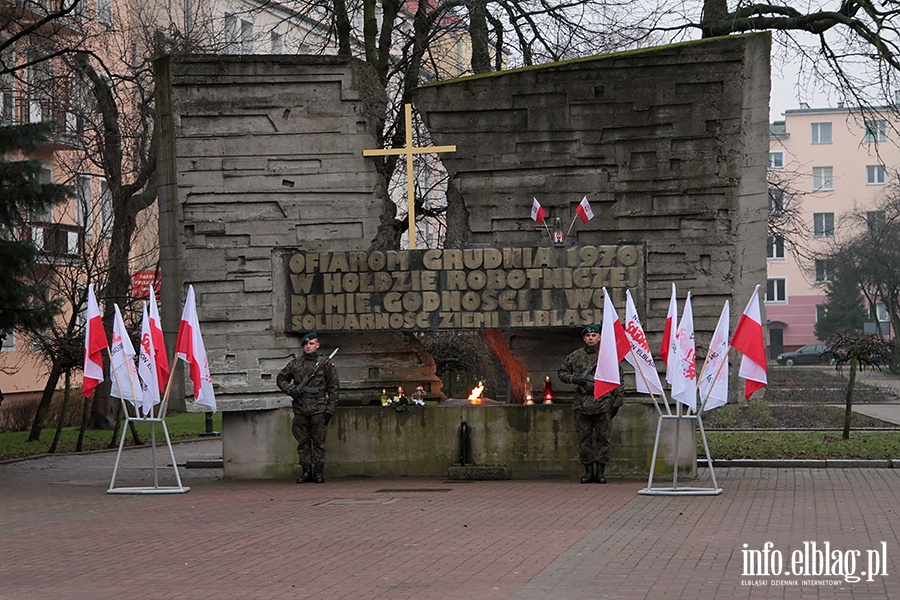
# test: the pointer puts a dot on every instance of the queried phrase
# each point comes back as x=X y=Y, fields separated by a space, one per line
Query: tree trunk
x=44 y=406
x=715 y=13
x=478 y=34
x=342 y=24
x=62 y=413
x=848 y=412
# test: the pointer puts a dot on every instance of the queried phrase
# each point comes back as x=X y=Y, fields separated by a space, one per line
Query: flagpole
x=716 y=378
x=571 y=225
x=646 y=383
x=547 y=227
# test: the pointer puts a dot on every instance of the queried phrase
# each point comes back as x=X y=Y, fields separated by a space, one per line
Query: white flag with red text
x=538 y=212
x=640 y=357
x=94 y=343
x=159 y=343
x=584 y=210
x=748 y=340
x=190 y=349
x=714 y=377
x=668 y=338
x=123 y=374
x=147 y=366
x=614 y=346
x=684 y=360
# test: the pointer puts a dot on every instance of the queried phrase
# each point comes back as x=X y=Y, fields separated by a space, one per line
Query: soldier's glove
x=296 y=394
x=581 y=381
x=613 y=411
x=328 y=418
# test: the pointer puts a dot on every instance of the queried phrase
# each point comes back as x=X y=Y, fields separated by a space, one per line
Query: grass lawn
x=817 y=445
x=182 y=426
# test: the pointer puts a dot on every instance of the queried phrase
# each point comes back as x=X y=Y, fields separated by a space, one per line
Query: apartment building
x=824 y=163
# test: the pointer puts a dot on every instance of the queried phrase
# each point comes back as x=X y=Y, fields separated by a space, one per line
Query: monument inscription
x=495 y=288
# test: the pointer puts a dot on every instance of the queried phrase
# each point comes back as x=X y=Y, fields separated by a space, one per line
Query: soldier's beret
x=590 y=329
x=309 y=336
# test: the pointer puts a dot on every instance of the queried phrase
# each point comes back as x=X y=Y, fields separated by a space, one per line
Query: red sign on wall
x=142 y=280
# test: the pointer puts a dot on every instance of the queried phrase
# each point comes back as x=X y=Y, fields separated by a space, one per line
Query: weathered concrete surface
x=669 y=144
x=528 y=441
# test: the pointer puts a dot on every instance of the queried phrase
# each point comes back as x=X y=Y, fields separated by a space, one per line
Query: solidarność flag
x=684 y=359
x=584 y=210
x=714 y=378
x=538 y=213
x=147 y=366
x=94 y=343
x=646 y=377
x=748 y=340
x=124 y=378
x=190 y=349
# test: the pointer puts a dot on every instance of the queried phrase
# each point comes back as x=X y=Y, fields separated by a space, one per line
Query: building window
x=104 y=12
x=775 y=246
x=776 y=289
x=823 y=179
x=238 y=35
x=277 y=40
x=821 y=312
x=83 y=204
x=9 y=340
x=823 y=271
x=881 y=312
x=875 y=174
x=776 y=201
x=776 y=160
x=876 y=131
x=821 y=133
x=875 y=221
x=823 y=224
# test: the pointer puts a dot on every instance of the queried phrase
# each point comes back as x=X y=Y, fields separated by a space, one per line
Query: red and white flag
x=94 y=343
x=584 y=210
x=640 y=357
x=669 y=334
x=748 y=340
x=538 y=213
x=684 y=359
x=614 y=346
x=714 y=378
x=189 y=348
x=159 y=343
x=123 y=375
x=147 y=366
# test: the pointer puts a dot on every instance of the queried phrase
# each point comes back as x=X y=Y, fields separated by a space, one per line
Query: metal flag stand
x=675 y=490
x=156 y=415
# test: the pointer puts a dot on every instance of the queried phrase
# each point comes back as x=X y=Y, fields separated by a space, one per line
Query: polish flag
x=123 y=375
x=147 y=366
x=189 y=348
x=537 y=212
x=94 y=343
x=684 y=359
x=748 y=340
x=159 y=343
x=714 y=378
x=669 y=334
x=614 y=346
x=584 y=210
x=640 y=357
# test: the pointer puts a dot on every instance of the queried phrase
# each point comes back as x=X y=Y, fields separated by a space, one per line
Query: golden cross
x=409 y=151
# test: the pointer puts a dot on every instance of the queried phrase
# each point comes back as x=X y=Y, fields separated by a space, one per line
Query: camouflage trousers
x=309 y=431
x=593 y=432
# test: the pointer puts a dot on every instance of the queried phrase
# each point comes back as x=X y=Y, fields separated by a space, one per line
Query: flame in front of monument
x=475 y=394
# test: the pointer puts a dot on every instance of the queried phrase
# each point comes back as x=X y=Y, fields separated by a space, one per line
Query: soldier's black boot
x=319 y=476
x=307 y=475
x=588 y=473
x=601 y=473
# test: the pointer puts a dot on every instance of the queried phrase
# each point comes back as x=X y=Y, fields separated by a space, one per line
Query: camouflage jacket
x=324 y=382
x=579 y=362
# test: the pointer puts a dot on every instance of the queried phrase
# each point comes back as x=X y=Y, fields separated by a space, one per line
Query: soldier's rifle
x=298 y=390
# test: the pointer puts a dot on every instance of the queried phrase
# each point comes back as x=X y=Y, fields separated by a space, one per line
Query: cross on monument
x=409 y=151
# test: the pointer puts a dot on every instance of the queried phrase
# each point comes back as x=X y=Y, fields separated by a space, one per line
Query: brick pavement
x=64 y=538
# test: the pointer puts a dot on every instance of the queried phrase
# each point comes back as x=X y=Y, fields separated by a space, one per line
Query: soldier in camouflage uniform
x=593 y=416
x=313 y=405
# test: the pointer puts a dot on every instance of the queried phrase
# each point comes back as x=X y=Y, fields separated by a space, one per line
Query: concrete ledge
x=803 y=464
x=479 y=472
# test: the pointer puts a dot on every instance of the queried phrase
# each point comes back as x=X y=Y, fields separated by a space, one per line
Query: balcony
x=57 y=241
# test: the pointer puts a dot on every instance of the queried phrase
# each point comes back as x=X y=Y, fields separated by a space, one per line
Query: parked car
x=812 y=354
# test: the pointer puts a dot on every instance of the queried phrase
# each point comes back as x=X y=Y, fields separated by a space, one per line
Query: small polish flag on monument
x=748 y=340
x=537 y=212
x=584 y=210
x=189 y=348
x=94 y=343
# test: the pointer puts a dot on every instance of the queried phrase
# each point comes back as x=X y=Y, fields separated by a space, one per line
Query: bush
x=17 y=414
